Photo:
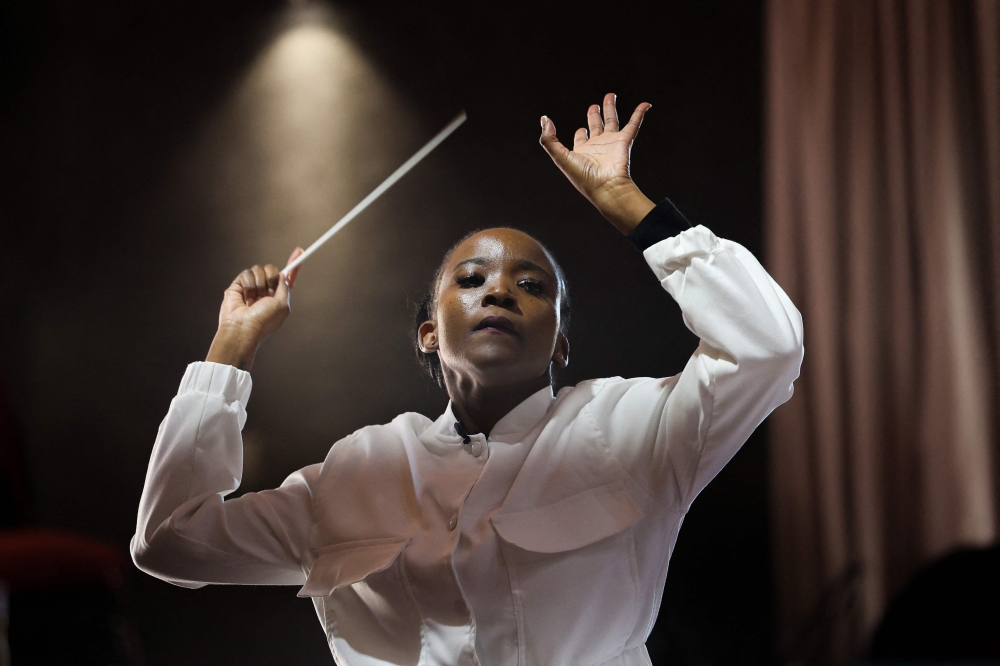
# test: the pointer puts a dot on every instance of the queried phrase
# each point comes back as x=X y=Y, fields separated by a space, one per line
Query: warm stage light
x=303 y=136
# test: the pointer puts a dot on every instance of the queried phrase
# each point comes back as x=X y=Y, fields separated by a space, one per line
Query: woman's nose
x=499 y=295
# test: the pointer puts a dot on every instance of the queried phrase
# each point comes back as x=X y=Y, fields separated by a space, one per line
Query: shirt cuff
x=231 y=383
x=663 y=222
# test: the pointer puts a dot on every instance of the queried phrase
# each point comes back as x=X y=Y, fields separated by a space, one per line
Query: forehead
x=500 y=246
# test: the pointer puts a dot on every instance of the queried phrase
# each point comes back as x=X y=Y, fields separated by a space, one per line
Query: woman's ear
x=427 y=337
x=561 y=354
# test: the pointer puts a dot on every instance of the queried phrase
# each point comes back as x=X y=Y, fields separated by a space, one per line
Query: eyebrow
x=523 y=264
x=478 y=261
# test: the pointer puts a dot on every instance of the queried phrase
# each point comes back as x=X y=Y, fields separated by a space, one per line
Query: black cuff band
x=660 y=223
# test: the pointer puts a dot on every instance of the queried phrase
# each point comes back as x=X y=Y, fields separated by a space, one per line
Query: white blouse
x=545 y=543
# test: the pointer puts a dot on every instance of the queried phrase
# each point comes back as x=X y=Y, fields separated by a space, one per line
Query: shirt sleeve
x=673 y=435
x=186 y=532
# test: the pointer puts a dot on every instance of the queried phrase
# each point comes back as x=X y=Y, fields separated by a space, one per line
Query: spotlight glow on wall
x=304 y=135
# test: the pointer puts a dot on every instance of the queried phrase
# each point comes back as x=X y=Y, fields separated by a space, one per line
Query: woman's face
x=497 y=316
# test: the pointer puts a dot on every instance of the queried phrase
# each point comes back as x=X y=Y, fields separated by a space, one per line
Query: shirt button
x=477 y=449
x=453 y=523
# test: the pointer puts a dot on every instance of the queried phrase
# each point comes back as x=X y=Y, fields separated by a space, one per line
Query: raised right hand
x=598 y=165
x=253 y=307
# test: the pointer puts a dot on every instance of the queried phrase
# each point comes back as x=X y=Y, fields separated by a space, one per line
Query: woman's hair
x=428 y=304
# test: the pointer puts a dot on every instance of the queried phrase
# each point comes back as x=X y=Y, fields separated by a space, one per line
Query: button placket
x=476 y=446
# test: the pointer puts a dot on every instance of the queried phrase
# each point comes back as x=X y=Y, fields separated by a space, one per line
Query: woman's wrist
x=623 y=205
x=233 y=346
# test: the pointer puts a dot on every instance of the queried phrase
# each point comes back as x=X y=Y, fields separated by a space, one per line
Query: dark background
x=115 y=255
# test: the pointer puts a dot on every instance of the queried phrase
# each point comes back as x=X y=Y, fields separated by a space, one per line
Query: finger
x=271 y=275
x=295 y=271
x=235 y=294
x=248 y=283
x=631 y=130
x=550 y=142
x=580 y=138
x=594 y=120
x=610 y=113
x=260 y=279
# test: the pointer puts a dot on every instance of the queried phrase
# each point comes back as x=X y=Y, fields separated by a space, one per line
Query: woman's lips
x=494 y=324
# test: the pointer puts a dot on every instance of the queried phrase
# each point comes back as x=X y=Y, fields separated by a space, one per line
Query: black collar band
x=462 y=432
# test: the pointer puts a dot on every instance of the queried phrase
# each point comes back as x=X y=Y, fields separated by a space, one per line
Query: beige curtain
x=883 y=224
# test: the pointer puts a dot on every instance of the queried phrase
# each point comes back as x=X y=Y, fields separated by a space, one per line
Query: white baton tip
x=378 y=191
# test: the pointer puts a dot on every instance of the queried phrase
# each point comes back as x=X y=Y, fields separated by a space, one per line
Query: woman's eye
x=532 y=286
x=470 y=281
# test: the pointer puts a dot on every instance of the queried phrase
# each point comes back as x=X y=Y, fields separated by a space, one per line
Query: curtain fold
x=883 y=224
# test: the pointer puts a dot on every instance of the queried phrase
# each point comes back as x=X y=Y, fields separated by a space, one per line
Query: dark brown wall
x=116 y=254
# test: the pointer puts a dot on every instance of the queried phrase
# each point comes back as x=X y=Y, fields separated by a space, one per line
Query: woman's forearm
x=622 y=204
x=233 y=346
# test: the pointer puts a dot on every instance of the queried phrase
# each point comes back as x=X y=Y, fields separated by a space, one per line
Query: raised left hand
x=598 y=165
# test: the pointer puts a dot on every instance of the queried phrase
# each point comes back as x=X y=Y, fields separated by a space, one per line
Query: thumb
x=292 y=274
x=283 y=293
x=551 y=143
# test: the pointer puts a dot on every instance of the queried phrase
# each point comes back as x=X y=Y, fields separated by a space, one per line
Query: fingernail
x=543 y=121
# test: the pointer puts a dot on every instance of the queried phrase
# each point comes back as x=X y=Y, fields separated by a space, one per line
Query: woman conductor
x=520 y=528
